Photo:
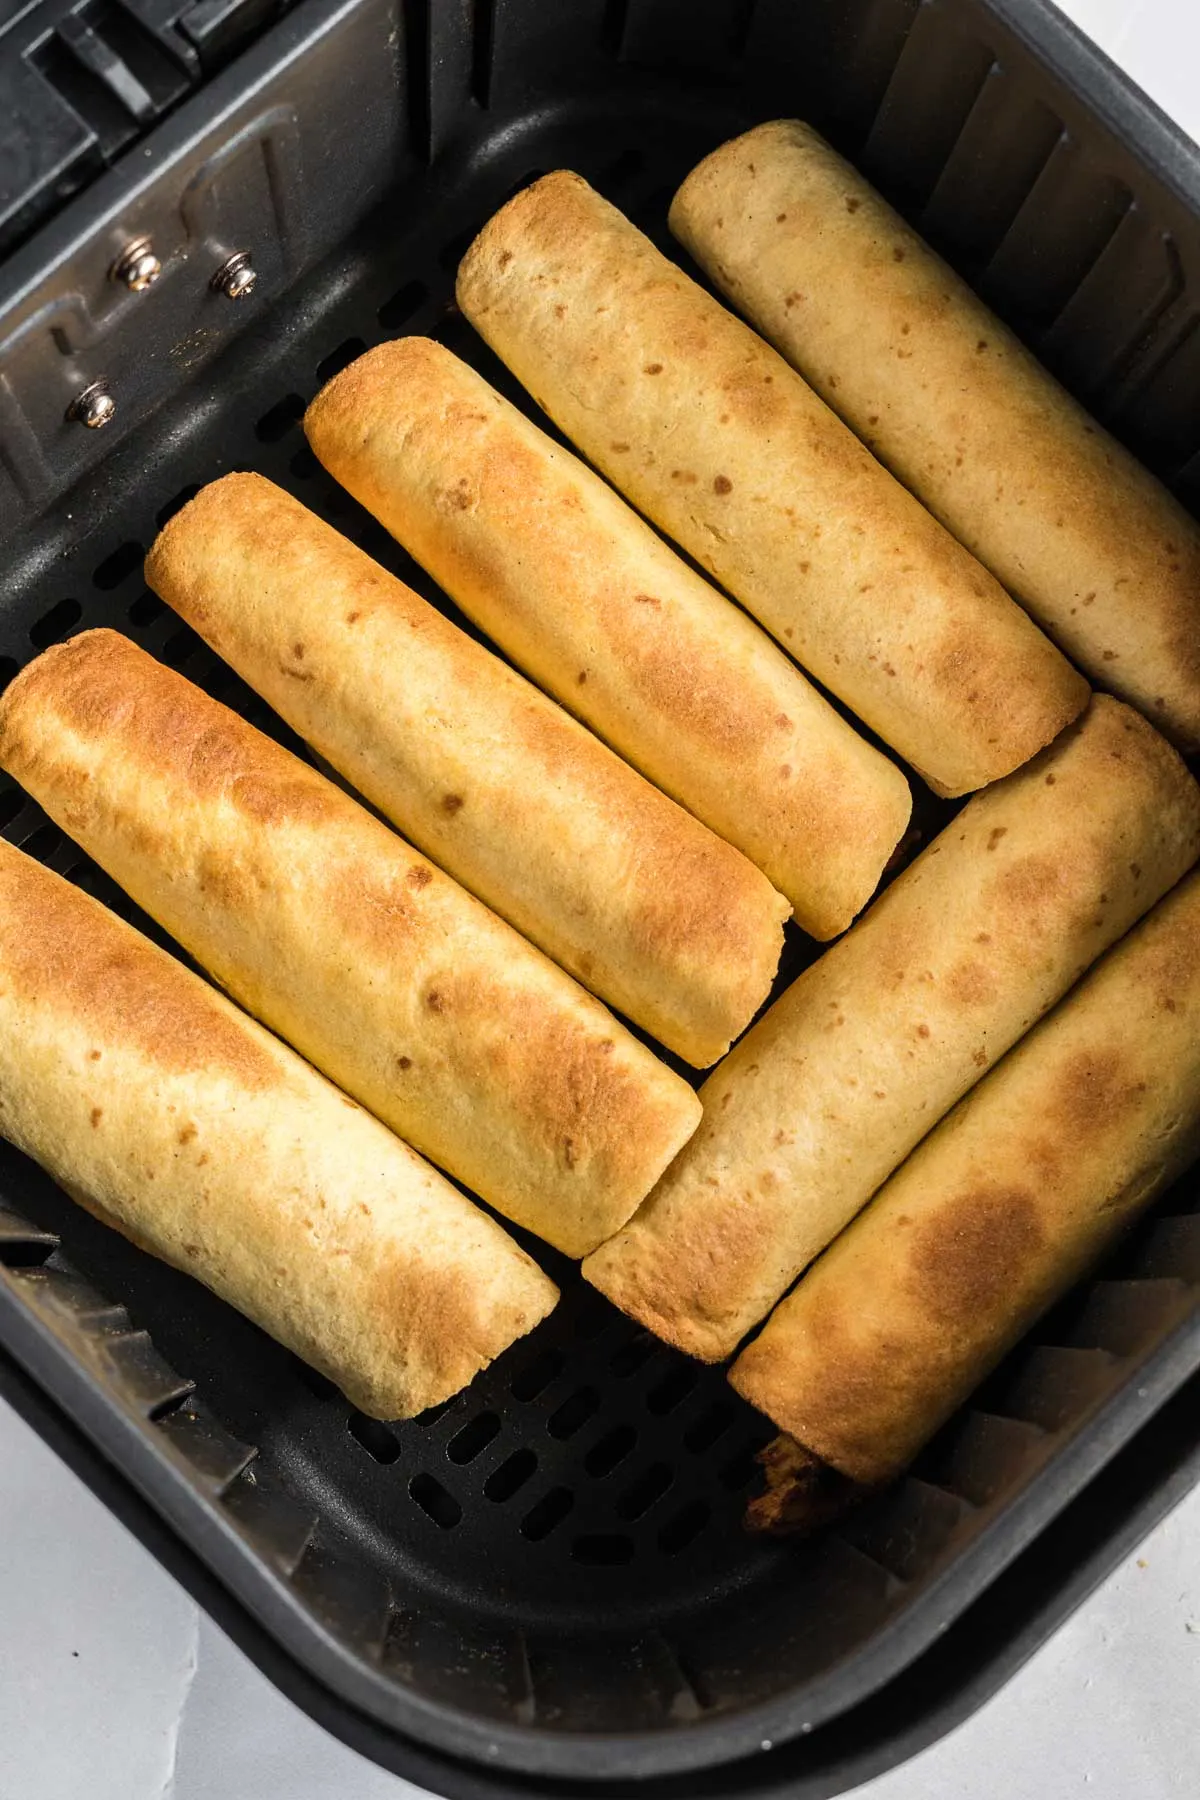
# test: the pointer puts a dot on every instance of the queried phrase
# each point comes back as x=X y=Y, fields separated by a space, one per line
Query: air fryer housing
x=544 y=1585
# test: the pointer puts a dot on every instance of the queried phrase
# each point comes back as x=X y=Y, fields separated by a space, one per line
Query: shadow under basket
x=544 y=1585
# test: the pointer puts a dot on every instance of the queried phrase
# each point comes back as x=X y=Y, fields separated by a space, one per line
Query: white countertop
x=114 y=1687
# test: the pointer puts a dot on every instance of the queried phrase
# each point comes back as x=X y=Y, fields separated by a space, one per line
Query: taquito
x=996 y=1214
x=874 y=1043
x=954 y=404
x=622 y=887
x=718 y=440
x=396 y=983
x=173 y=1117
x=591 y=603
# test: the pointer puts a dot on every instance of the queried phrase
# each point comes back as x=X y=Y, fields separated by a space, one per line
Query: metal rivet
x=137 y=266
x=236 y=277
x=94 y=407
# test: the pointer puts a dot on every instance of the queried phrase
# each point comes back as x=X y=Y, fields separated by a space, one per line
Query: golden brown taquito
x=178 y=1120
x=386 y=974
x=505 y=791
x=716 y=438
x=874 y=1043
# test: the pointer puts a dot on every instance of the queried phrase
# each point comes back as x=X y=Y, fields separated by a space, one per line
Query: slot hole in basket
x=403 y=304
x=684 y=1528
x=283 y=417
x=645 y=1492
x=511 y=1476
x=518 y=187
x=145 y=610
x=181 y=646
x=95 y=882
x=674 y=1387
x=610 y=1450
x=337 y=503
x=177 y=504
x=43 y=842
x=432 y=1414
x=602 y=1549
x=374 y=1437
x=632 y=1357
x=8 y=668
x=348 y=351
x=536 y=1376
x=11 y=803
x=474 y=1436
x=483 y=34
x=119 y=566
x=592 y=1315
x=712 y=1424
x=547 y=1514
x=27 y=1253
x=304 y=464
x=315 y=1382
x=55 y=624
x=435 y=1501
x=742 y=1467
x=621 y=171
x=574 y=1413
x=653 y=210
x=455 y=248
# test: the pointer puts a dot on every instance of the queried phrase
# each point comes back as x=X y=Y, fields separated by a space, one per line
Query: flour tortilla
x=715 y=438
x=1002 y=1208
x=875 y=1042
x=567 y=579
x=1102 y=556
x=396 y=983
x=506 y=792
x=185 y=1125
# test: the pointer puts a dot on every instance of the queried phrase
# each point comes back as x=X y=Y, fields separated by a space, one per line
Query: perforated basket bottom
x=557 y=1552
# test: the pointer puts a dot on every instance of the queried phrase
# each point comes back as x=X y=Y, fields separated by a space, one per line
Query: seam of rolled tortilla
x=381 y=970
x=1099 y=552
x=528 y=810
x=872 y=1045
x=189 y=1128
x=559 y=570
x=653 y=379
x=998 y=1212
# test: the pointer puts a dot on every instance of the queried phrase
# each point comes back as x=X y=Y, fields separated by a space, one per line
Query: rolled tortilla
x=875 y=1042
x=185 y=1125
x=589 y=601
x=944 y=394
x=996 y=1214
x=382 y=971
x=714 y=437
x=519 y=802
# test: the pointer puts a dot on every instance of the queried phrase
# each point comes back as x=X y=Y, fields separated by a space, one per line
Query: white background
x=114 y=1687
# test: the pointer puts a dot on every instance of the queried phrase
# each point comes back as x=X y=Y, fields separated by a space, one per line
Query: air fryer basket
x=545 y=1583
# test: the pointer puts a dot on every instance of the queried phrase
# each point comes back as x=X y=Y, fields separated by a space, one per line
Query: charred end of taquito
x=999 y=1211
x=800 y=1493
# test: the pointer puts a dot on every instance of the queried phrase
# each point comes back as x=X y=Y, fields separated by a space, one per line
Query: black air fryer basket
x=544 y=1586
